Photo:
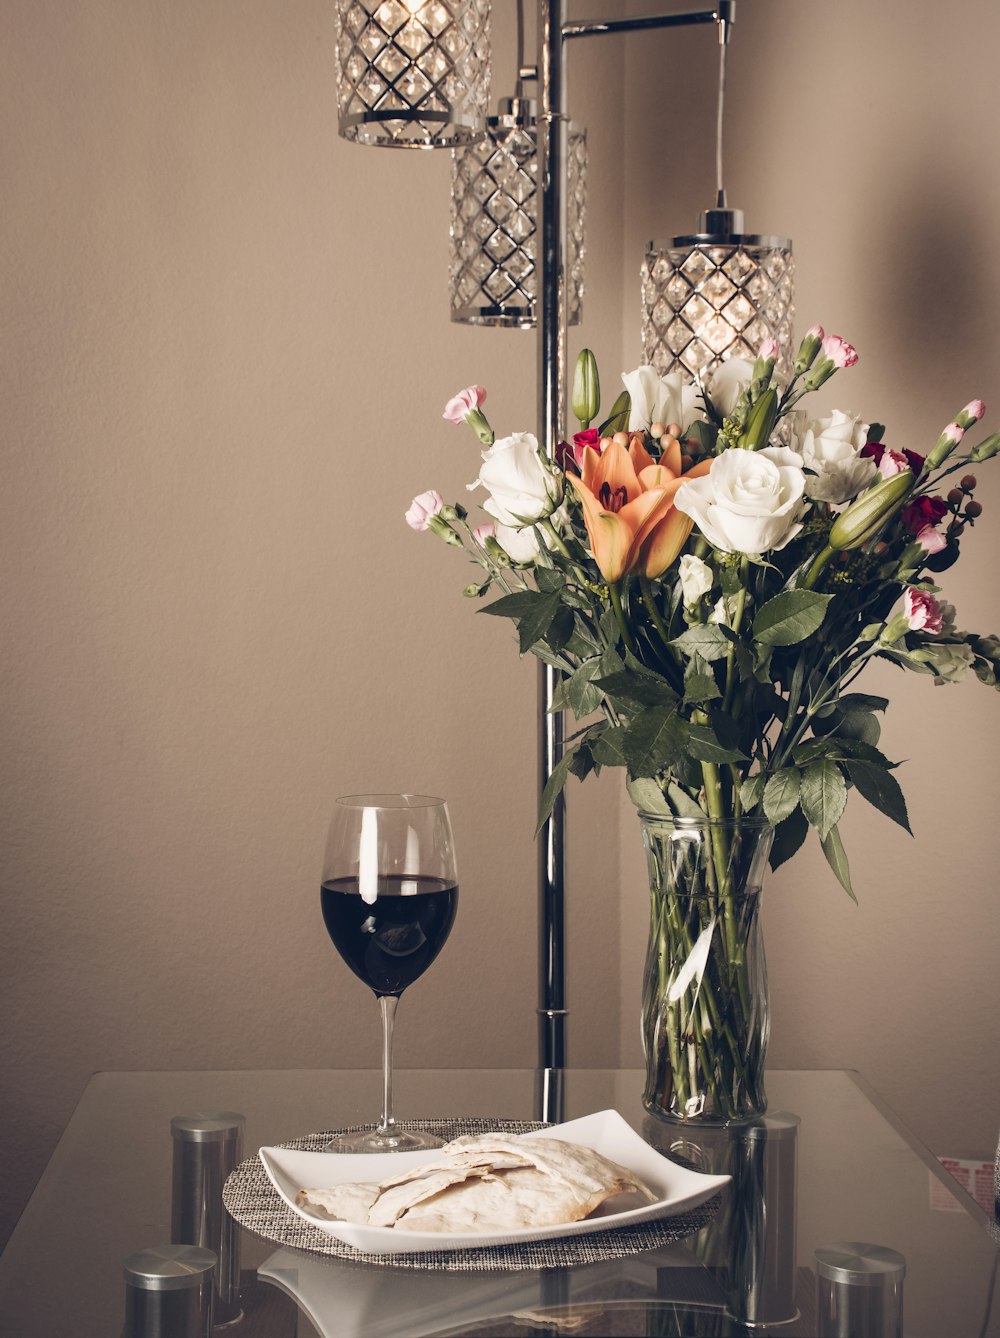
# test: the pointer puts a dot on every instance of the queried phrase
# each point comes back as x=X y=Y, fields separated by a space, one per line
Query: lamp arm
x=724 y=15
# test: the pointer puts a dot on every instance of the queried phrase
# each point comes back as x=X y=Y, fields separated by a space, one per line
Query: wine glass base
x=372 y=1141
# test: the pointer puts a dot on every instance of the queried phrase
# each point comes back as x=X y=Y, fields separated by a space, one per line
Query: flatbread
x=485 y=1182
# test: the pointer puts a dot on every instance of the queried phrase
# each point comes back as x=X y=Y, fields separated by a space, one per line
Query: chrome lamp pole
x=553 y=34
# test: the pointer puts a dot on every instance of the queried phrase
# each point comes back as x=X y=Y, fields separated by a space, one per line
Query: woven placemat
x=253 y=1201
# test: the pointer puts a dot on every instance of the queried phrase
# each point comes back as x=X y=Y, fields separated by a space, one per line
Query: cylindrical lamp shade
x=705 y=300
x=494 y=222
x=413 y=75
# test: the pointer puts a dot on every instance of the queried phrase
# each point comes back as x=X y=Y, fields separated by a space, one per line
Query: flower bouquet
x=710 y=569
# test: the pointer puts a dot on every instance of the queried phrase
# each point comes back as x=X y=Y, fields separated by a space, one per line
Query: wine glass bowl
x=389 y=895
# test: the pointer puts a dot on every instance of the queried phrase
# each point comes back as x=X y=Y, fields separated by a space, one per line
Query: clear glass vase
x=704 y=1002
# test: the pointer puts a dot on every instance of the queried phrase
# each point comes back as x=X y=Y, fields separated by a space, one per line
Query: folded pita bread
x=485 y=1182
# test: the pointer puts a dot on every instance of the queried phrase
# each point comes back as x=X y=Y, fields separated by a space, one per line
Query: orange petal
x=671 y=456
x=656 y=476
x=664 y=542
x=640 y=457
x=616 y=470
x=611 y=536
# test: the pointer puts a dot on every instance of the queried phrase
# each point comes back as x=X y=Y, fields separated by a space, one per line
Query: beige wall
x=227 y=352
x=867 y=133
x=228 y=349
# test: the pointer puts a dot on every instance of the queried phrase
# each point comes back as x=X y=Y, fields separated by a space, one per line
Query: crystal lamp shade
x=494 y=221
x=706 y=299
x=413 y=73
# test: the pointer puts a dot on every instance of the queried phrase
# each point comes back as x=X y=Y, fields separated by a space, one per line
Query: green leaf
x=608 y=749
x=617 y=419
x=559 y=631
x=682 y=803
x=790 y=617
x=704 y=744
x=836 y=857
x=823 y=795
x=655 y=739
x=751 y=791
x=881 y=790
x=517 y=605
x=699 y=681
x=708 y=640
x=553 y=788
x=584 y=697
x=637 y=690
x=648 y=797
x=788 y=837
x=781 y=794
x=727 y=731
x=861 y=701
x=533 y=625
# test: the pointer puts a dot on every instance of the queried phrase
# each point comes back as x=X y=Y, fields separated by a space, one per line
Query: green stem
x=614 y=590
x=816 y=569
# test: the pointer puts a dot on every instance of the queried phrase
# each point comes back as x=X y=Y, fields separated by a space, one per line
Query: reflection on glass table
x=828 y=1168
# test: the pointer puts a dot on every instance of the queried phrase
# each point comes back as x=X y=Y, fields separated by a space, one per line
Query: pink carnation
x=483 y=532
x=953 y=432
x=974 y=409
x=839 y=351
x=461 y=405
x=931 y=540
x=922 y=611
x=422 y=508
x=816 y=332
x=892 y=462
x=769 y=349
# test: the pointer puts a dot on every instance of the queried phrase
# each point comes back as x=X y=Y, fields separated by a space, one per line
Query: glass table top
x=829 y=1164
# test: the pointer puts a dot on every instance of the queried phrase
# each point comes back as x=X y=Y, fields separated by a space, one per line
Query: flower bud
x=867 y=514
x=452 y=513
x=477 y=421
x=986 y=449
x=767 y=354
x=586 y=388
x=808 y=349
x=443 y=530
x=972 y=413
x=760 y=421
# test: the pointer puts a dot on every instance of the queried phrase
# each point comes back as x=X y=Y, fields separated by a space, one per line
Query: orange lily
x=628 y=507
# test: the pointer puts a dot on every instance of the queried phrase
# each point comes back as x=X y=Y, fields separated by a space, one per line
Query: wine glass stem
x=387 y=1006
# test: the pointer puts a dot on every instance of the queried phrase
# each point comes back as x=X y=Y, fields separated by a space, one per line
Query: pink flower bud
x=461 y=405
x=931 y=540
x=422 y=508
x=483 y=532
x=839 y=351
x=922 y=611
x=769 y=350
x=816 y=332
x=975 y=409
x=892 y=462
x=953 y=432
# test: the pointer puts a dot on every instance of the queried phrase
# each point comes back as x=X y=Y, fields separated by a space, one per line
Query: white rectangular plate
x=676 y=1188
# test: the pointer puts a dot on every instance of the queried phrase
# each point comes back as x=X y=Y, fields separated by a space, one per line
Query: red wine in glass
x=389 y=895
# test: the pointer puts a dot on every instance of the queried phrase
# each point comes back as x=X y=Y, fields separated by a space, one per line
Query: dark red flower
x=876 y=449
x=923 y=511
x=565 y=453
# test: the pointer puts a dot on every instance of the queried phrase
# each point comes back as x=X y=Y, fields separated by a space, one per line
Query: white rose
x=831 y=449
x=696 y=578
x=728 y=382
x=659 y=399
x=521 y=488
x=749 y=501
x=519 y=545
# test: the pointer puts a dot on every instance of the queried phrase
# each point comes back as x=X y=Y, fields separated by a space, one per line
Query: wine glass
x=389 y=894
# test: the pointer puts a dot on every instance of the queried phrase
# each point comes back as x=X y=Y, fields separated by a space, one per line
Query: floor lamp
x=415 y=74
